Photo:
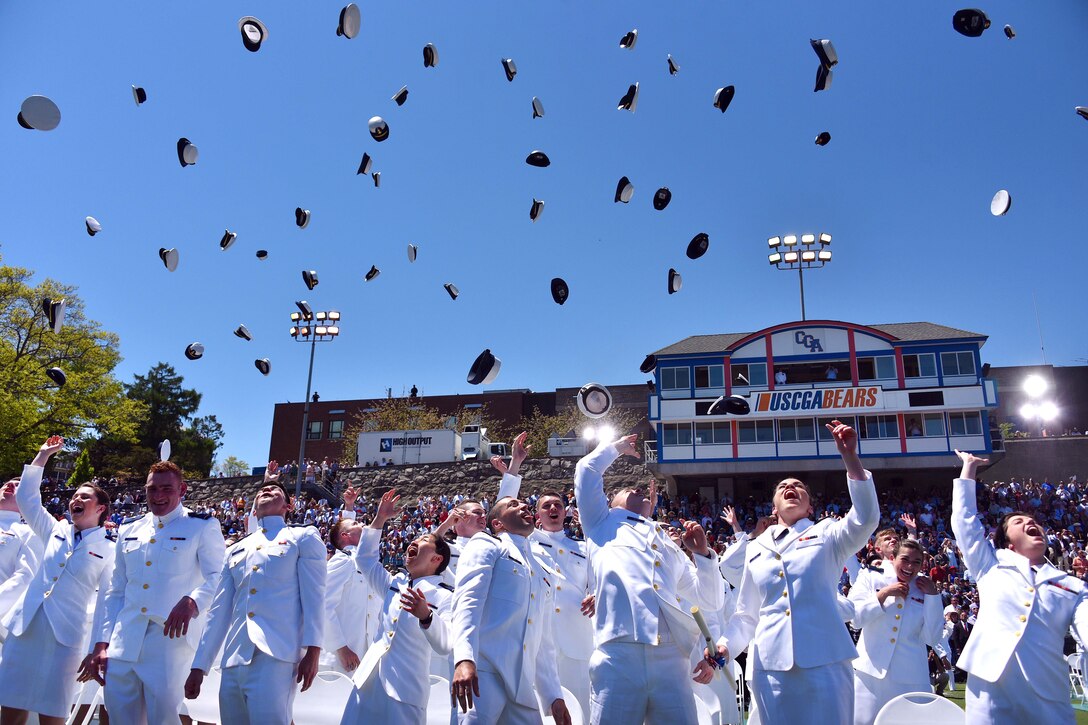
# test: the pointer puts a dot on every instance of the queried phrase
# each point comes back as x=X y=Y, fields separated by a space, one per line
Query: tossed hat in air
x=674 y=68
x=164 y=451
x=349 y=21
x=253 y=33
x=430 y=56
x=624 y=190
x=243 y=332
x=538 y=108
x=374 y=272
x=698 y=245
x=629 y=102
x=1082 y=111
x=38 y=113
x=823 y=79
x=377 y=176
x=57 y=376
x=54 y=313
x=1000 y=204
x=662 y=197
x=379 y=129
x=594 y=400
x=413 y=250
x=1009 y=32
x=649 y=364
x=825 y=51
x=538 y=159
x=309 y=276
x=675 y=281
x=723 y=97
x=194 y=350
x=139 y=95
x=823 y=139
x=510 y=68
x=187 y=152
x=227 y=240
x=264 y=365
x=302 y=217
x=364 y=165
x=560 y=290
x=262 y=254
x=401 y=96
x=169 y=257
x=485 y=368
x=970 y=22
x=629 y=39
x=93 y=225
x=536 y=209
x=729 y=405
x=451 y=290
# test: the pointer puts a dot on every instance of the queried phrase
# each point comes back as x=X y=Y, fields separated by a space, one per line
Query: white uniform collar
x=7 y=518
x=271 y=524
x=161 y=521
x=520 y=542
x=798 y=527
x=462 y=541
x=554 y=536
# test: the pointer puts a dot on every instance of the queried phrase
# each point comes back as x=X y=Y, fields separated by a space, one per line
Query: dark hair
x=166 y=467
x=443 y=550
x=102 y=497
x=494 y=514
x=909 y=544
x=1001 y=533
x=553 y=494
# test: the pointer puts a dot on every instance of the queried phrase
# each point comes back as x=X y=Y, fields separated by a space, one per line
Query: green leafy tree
x=91 y=404
x=233 y=466
x=83 y=471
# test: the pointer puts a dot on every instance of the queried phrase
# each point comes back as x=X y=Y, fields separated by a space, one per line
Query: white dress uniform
x=158 y=561
x=643 y=638
x=892 y=658
x=509 y=486
x=392 y=683
x=789 y=609
x=1014 y=655
x=352 y=608
x=48 y=626
x=503 y=597
x=731 y=561
x=20 y=555
x=269 y=607
x=567 y=562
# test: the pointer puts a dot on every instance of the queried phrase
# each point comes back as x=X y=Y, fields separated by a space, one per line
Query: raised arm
x=511 y=481
x=589 y=480
x=366 y=553
x=978 y=552
x=853 y=530
x=28 y=494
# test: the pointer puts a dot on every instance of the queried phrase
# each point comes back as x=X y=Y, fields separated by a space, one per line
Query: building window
x=875 y=427
x=930 y=425
x=958 y=363
x=676 y=434
x=675 y=378
x=822 y=423
x=755 y=431
x=313 y=430
x=964 y=424
x=923 y=365
x=876 y=368
x=709 y=376
x=336 y=429
x=711 y=433
x=754 y=373
x=796 y=429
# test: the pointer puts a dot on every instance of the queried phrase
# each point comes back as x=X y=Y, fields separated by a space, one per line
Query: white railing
x=649 y=451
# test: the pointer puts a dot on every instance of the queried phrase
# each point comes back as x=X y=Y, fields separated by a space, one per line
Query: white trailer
x=409 y=447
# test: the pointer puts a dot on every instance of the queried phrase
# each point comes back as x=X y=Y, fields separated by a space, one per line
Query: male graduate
x=1014 y=656
x=166 y=568
x=267 y=617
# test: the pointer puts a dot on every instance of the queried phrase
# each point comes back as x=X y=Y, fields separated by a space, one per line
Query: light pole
x=811 y=253
x=312 y=327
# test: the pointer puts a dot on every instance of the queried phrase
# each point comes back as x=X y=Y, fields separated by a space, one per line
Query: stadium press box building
x=914 y=392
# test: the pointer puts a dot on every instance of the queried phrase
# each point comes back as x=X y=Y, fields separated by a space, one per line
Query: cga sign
x=811 y=342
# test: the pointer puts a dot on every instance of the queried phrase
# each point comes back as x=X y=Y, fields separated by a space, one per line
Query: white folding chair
x=89 y=694
x=1076 y=675
x=205 y=708
x=915 y=707
x=577 y=717
x=324 y=702
x=439 y=708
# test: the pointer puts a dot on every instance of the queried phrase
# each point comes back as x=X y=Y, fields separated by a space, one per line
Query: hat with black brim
x=729 y=405
x=510 y=68
x=39 y=113
x=649 y=364
x=379 y=129
x=93 y=225
x=536 y=210
x=364 y=165
x=560 y=290
x=413 y=251
x=302 y=217
x=538 y=159
x=673 y=67
x=629 y=39
x=823 y=79
x=430 y=56
x=401 y=96
x=243 y=332
x=57 y=376
x=227 y=240
x=349 y=21
x=675 y=281
x=139 y=95
x=538 y=108
x=54 y=313
x=823 y=139
x=264 y=365
x=723 y=97
x=485 y=368
x=451 y=290
x=594 y=400
x=698 y=245
x=624 y=190
x=970 y=22
x=169 y=257
x=662 y=197
x=629 y=101
x=254 y=33
x=187 y=152
x=825 y=51
x=309 y=277
x=194 y=350
x=374 y=272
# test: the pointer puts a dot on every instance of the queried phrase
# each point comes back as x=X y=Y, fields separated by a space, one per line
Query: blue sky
x=926 y=126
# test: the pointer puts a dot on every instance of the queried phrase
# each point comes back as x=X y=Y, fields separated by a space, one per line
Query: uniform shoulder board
x=112 y=535
x=131 y=520
x=302 y=526
x=877 y=569
x=446 y=586
x=201 y=516
x=493 y=536
x=543 y=544
x=637 y=519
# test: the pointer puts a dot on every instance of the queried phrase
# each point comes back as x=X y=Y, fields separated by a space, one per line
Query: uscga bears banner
x=828 y=401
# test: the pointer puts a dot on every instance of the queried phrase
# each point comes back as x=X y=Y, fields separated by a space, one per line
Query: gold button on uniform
x=787 y=612
x=255 y=567
x=1031 y=589
x=252 y=591
x=560 y=551
x=895 y=629
x=251 y=615
x=656 y=587
x=557 y=609
x=897 y=616
x=778 y=556
x=54 y=578
x=657 y=563
x=146 y=563
x=152 y=540
x=653 y=546
x=898 y=606
x=49 y=592
x=62 y=565
x=1027 y=604
x=785 y=593
x=146 y=586
x=160 y=526
x=781 y=574
x=532 y=596
x=558 y=587
x=530 y=620
x=893 y=640
x=1019 y=633
x=260 y=546
x=1023 y=618
x=143 y=610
